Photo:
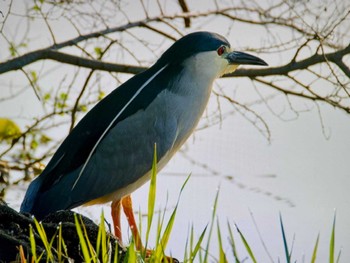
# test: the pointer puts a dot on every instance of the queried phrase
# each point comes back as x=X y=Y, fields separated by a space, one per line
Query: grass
x=196 y=250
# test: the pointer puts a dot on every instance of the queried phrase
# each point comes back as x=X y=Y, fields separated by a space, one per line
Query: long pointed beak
x=241 y=58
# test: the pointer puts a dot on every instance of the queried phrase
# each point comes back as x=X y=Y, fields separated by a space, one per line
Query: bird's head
x=207 y=53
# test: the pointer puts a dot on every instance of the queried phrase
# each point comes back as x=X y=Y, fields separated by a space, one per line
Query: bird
x=109 y=153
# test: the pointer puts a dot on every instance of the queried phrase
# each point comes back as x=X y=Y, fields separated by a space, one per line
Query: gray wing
x=123 y=157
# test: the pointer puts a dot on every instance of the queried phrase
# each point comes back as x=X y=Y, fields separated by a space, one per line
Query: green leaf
x=47 y=96
x=98 y=51
x=63 y=96
x=101 y=95
x=34 y=76
x=83 y=108
x=8 y=129
x=36 y=8
x=34 y=144
x=44 y=139
x=12 y=49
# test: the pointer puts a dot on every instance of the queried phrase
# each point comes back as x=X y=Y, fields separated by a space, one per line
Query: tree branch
x=22 y=61
x=185 y=9
x=335 y=57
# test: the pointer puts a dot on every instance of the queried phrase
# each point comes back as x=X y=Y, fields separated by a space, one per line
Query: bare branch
x=292 y=66
x=185 y=9
x=20 y=62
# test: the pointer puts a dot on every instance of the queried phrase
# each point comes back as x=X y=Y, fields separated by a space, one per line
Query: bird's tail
x=40 y=202
x=31 y=195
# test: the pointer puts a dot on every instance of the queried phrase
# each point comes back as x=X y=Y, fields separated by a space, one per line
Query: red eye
x=221 y=50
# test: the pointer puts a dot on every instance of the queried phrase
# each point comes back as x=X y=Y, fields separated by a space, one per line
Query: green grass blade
x=82 y=241
x=246 y=245
x=222 y=256
x=64 y=248
x=116 y=253
x=166 y=234
x=332 y=241
x=206 y=255
x=284 y=241
x=131 y=253
x=152 y=193
x=188 y=246
x=101 y=242
x=314 y=253
x=53 y=240
x=160 y=222
x=233 y=244
x=86 y=236
x=99 y=237
x=59 y=243
x=43 y=238
x=32 y=243
x=198 y=245
x=165 y=237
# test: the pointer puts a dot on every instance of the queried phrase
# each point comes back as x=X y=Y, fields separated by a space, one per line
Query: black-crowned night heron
x=109 y=153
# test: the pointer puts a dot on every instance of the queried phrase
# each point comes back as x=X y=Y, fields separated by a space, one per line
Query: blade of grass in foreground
x=90 y=247
x=222 y=256
x=101 y=242
x=116 y=253
x=246 y=245
x=205 y=259
x=188 y=245
x=82 y=241
x=284 y=241
x=131 y=253
x=233 y=244
x=314 y=253
x=43 y=237
x=166 y=234
x=59 y=243
x=331 y=244
x=152 y=193
x=198 y=245
x=32 y=243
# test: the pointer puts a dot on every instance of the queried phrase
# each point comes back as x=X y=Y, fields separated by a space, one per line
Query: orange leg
x=116 y=208
x=127 y=206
